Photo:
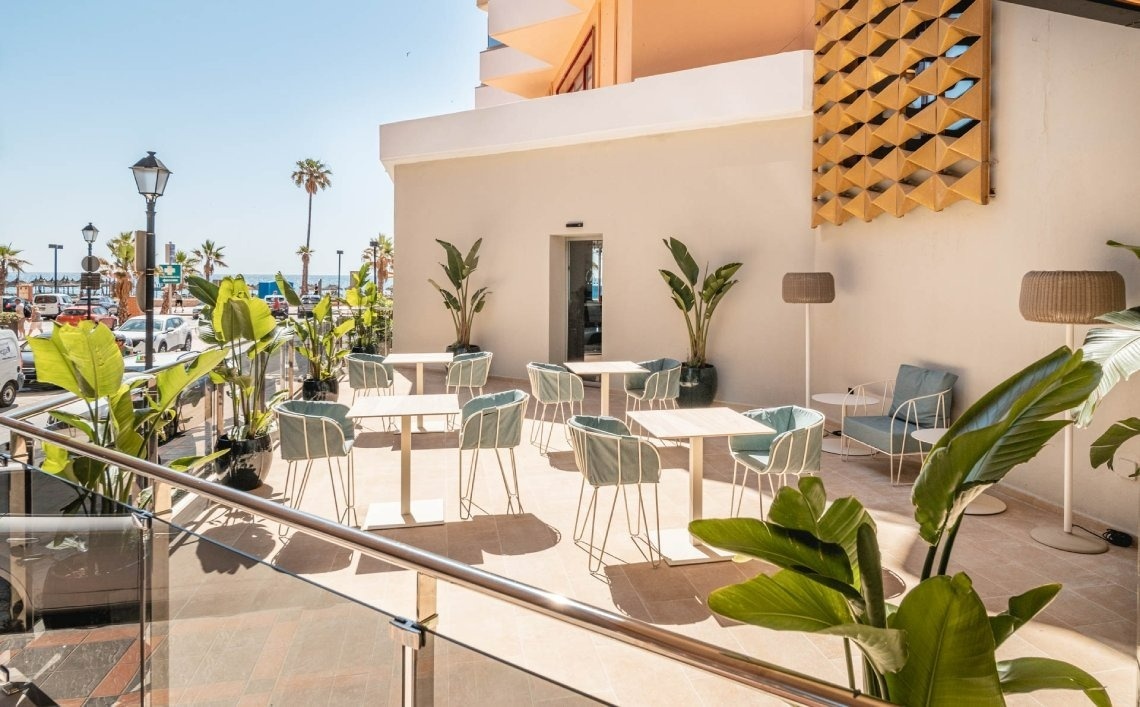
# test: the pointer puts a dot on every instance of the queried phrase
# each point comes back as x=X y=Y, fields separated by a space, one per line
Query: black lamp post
x=90 y=233
x=375 y=243
x=150 y=178
x=338 y=254
x=55 y=247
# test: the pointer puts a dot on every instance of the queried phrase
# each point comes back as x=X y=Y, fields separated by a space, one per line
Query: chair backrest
x=368 y=371
x=608 y=455
x=662 y=382
x=493 y=421
x=469 y=370
x=798 y=448
x=313 y=429
x=551 y=383
x=914 y=382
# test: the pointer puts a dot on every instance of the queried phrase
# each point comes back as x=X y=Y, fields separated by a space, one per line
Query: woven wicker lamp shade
x=809 y=288
x=1070 y=296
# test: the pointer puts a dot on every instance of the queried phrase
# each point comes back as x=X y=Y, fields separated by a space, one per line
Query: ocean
x=294 y=279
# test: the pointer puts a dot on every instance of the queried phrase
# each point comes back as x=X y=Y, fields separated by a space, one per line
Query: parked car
x=74 y=315
x=10 y=304
x=170 y=332
x=51 y=304
x=307 y=303
x=278 y=305
x=11 y=374
x=99 y=301
x=196 y=310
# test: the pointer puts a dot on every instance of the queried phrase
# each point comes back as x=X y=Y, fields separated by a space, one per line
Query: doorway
x=584 y=269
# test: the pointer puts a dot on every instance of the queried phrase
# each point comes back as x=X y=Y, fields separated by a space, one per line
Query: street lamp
x=90 y=233
x=338 y=254
x=150 y=178
x=55 y=265
x=375 y=243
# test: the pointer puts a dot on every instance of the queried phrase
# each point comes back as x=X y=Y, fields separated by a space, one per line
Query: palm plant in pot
x=368 y=330
x=245 y=329
x=319 y=343
x=698 y=376
x=462 y=303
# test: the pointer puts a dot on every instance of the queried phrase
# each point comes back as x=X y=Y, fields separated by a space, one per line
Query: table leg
x=696 y=475
x=605 y=394
x=677 y=545
x=405 y=465
x=419 y=391
x=405 y=513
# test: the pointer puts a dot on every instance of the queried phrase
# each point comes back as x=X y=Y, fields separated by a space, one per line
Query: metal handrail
x=699 y=654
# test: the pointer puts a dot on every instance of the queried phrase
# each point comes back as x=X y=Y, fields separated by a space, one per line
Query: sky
x=229 y=95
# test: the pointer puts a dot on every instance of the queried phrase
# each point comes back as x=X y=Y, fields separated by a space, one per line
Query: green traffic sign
x=169 y=274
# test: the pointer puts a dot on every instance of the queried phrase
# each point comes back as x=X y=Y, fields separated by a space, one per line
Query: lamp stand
x=1063 y=538
x=807 y=355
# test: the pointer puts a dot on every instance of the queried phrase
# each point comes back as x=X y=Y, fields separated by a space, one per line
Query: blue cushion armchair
x=368 y=373
x=552 y=386
x=659 y=387
x=311 y=430
x=493 y=421
x=470 y=371
x=791 y=450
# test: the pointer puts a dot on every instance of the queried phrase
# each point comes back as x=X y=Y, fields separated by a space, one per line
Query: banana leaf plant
x=696 y=304
x=319 y=340
x=84 y=360
x=937 y=646
x=1117 y=350
x=369 y=325
x=461 y=303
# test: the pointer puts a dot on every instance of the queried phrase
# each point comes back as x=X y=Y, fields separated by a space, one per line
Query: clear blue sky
x=229 y=95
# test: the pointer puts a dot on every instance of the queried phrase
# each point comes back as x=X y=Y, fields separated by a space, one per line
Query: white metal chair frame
x=909 y=416
x=461 y=373
x=333 y=446
x=467 y=490
x=570 y=391
x=373 y=376
x=596 y=553
x=791 y=468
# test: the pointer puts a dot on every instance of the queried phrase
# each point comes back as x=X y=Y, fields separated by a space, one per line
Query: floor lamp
x=1069 y=297
x=808 y=288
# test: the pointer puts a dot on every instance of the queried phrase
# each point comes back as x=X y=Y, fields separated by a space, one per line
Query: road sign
x=90 y=263
x=169 y=274
x=90 y=280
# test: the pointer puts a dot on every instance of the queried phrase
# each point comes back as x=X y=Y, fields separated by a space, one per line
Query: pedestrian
x=34 y=322
x=19 y=310
x=178 y=302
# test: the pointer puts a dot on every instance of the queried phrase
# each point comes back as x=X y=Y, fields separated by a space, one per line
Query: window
x=580 y=75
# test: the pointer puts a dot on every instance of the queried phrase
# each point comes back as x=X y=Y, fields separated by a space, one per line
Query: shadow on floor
x=305 y=554
x=233 y=547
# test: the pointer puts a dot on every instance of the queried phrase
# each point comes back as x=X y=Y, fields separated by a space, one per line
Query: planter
x=369 y=349
x=247 y=463
x=698 y=386
x=324 y=389
x=458 y=349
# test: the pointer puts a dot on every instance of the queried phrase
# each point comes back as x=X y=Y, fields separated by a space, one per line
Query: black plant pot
x=369 y=349
x=324 y=389
x=247 y=463
x=698 y=386
x=469 y=348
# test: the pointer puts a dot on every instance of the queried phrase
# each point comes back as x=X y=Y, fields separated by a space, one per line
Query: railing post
x=291 y=354
x=412 y=638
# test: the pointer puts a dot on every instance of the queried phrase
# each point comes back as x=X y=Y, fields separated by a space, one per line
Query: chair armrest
x=910 y=417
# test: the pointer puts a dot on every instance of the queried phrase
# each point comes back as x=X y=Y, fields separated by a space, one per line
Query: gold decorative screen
x=901 y=103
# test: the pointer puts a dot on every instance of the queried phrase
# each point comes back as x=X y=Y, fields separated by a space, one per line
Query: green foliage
x=370 y=311
x=318 y=338
x=85 y=361
x=697 y=305
x=460 y=301
x=246 y=331
x=1104 y=449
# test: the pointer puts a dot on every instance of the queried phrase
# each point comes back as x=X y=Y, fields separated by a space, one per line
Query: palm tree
x=312 y=175
x=211 y=256
x=10 y=260
x=305 y=254
x=384 y=265
x=120 y=269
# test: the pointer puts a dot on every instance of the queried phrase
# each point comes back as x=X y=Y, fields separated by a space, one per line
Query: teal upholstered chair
x=791 y=450
x=493 y=421
x=608 y=455
x=659 y=387
x=368 y=373
x=919 y=398
x=555 y=389
x=470 y=371
x=311 y=430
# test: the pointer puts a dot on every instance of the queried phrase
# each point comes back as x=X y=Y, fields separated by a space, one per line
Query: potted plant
x=11 y=320
x=319 y=343
x=245 y=329
x=460 y=301
x=364 y=302
x=938 y=645
x=698 y=376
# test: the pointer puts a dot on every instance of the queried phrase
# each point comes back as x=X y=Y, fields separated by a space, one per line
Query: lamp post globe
x=151 y=176
x=90 y=233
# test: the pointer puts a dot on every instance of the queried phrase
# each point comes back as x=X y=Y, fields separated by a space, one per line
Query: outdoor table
x=406 y=513
x=842 y=400
x=983 y=505
x=604 y=369
x=399 y=359
x=677 y=546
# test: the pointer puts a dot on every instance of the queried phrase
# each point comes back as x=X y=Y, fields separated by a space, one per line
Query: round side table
x=984 y=505
x=832 y=444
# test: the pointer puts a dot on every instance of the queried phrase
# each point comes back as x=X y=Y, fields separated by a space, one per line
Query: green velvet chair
x=919 y=398
x=312 y=430
x=608 y=455
x=492 y=421
x=555 y=389
x=792 y=449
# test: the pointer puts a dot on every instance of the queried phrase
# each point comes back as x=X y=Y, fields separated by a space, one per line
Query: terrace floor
x=1092 y=623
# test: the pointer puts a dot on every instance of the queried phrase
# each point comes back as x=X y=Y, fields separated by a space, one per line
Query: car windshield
x=135 y=325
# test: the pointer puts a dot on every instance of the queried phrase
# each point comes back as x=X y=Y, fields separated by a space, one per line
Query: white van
x=51 y=305
x=11 y=377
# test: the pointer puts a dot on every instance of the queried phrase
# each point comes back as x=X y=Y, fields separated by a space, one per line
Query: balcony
x=512 y=71
x=545 y=29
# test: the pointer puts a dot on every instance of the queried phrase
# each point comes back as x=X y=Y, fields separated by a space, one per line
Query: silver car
x=171 y=331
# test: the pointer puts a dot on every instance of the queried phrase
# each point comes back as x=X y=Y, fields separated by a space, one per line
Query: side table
x=984 y=505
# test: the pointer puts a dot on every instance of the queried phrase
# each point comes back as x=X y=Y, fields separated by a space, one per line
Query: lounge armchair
x=311 y=430
x=660 y=387
x=608 y=455
x=492 y=421
x=792 y=450
x=919 y=399
x=552 y=385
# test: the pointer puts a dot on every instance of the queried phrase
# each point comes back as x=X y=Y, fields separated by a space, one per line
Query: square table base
x=677 y=548
x=428 y=511
x=833 y=444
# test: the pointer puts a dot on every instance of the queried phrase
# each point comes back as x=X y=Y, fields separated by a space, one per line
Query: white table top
x=400 y=405
x=930 y=435
x=594 y=368
x=845 y=399
x=697 y=422
x=397 y=359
